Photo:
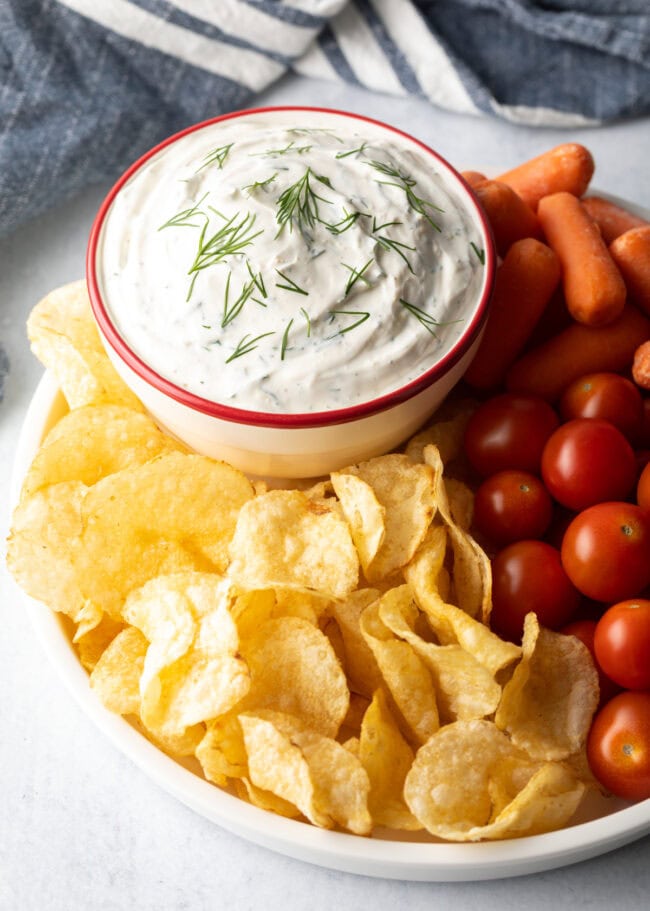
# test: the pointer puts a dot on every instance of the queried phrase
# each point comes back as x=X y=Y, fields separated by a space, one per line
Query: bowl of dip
x=291 y=290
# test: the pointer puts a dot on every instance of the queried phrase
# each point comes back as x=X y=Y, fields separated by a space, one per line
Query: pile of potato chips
x=324 y=653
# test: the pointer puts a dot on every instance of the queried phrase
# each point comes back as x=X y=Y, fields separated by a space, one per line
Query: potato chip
x=192 y=672
x=362 y=669
x=294 y=670
x=221 y=751
x=445 y=434
x=64 y=337
x=325 y=781
x=406 y=493
x=405 y=675
x=187 y=507
x=465 y=689
x=387 y=758
x=461 y=502
x=93 y=442
x=469 y=782
x=116 y=676
x=265 y=800
x=452 y=625
x=285 y=540
x=548 y=704
x=92 y=644
x=43 y=545
x=364 y=514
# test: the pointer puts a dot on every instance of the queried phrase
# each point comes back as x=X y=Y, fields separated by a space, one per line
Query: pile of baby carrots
x=572 y=291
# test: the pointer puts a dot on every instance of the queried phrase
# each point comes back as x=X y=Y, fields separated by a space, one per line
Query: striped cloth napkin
x=88 y=85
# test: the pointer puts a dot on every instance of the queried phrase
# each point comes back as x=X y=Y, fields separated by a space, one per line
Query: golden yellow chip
x=444 y=433
x=406 y=494
x=93 y=442
x=364 y=513
x=64 y=337
x=294 y=670
x=469 y=782
x=265 y=800
x=387 y=758
x=362 y=669
x=176 y=513
x=92 y=644
x=405 y=675
x=285 y=540
x=192 y=671
x=116 y=676
x=548 y=704
x=221 y=751
x=326 y=782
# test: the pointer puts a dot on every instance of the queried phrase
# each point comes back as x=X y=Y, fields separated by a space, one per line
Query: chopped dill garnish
x=285 y=339
x=480 y=253
x=230 y=311
x=183 y=219
x=407 y=184
x=350 y=218
x=259 y=184
x=258 y=301
x=308 y=130
x=361 y=313
x=387 y=243
x=356 y=275
x=216 y=156
x=291 y=285
x=257 y=278
x=290 y=147
x=424 y=318
x=306 y=315
x=386 y=224
x=246 y=345
x=231 y=238
x=358 y=151
x=299 y=202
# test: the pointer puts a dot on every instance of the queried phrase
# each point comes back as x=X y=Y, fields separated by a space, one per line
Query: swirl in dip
x=271 y=264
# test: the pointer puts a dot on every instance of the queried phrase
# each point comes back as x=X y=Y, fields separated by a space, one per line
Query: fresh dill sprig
x=216 y=156
x=285 y=339
x=480 y=253
x=232 y=237
x=387 y=243
x=183 y=219
x=361 y=313
x=259 y=184
x=230 y=311
x=349 y=219
x=306 y=315
x=423 y=317
x=356 y=275
x=291 y=285
x=386 y=224
x=257 y=279
x=406 y=183
x=308 y=130
x=246 y=345
x=299 y=202
x=358 y=151
x=290 y=147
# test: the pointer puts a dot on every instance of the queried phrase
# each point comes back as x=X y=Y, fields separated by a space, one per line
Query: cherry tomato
x=618 y=745
x=643 y=489
x=528 y=576
x=644 y=433
x=622 y=643
x=584 y=630
x=587 y=461
x=606 y=551
x=512 y=505
x=509 y=431
x=608 y=397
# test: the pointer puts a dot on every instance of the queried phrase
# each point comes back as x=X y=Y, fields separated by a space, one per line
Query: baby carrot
x=473 y=177
x=631 y=253
x=510 y=217
x=567 y=167
x=524 y=284
x=593 y=287
x=612 y=220
x=547 y=370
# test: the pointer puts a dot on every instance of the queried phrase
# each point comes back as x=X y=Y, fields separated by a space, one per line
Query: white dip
x=290 y=269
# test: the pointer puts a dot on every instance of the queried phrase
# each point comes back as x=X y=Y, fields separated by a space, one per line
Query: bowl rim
x=285 y=419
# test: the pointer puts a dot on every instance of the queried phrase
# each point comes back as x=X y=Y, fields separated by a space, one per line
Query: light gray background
x=80 y=826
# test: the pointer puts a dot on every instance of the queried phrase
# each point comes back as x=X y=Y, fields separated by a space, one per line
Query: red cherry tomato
x=618 y=745
x=509 y=431
x=643 y=489
x=584 y=630
x=608 y=397
x=622 y=643
x=528 y=576
x=512 y=505
x=586 y=462
x=644 y=434
x=606 y=551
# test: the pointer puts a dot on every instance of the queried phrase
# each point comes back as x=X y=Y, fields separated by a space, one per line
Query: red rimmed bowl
x=318 y=436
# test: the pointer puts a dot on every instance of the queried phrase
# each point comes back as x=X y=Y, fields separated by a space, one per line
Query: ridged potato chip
x=405 y=492
x=326 y=782
x=64 y=337
x=89 y=443
x=548 y=704
x=294 y=670
x=469 y=782
x=187 y=508
x=285 y=540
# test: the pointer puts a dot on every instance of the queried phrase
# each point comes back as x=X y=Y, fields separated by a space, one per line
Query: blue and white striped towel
x=88 y=85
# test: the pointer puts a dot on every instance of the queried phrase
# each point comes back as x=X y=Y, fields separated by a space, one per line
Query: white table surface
x=80 y=826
